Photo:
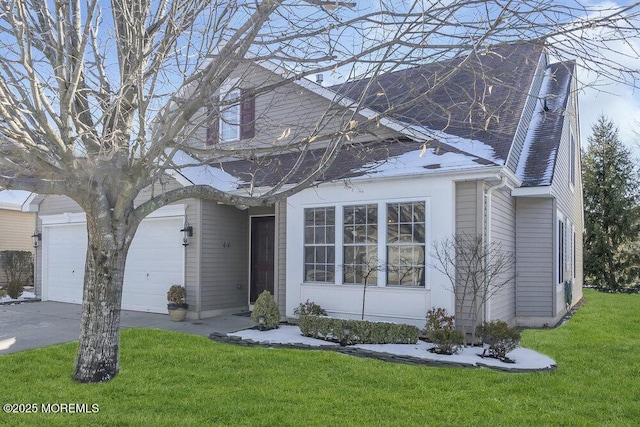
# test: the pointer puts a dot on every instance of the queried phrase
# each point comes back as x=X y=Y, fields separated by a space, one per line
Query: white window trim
x=223 y=123
x=382 y=242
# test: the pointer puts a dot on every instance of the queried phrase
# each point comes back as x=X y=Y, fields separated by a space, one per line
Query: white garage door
x=155 y=262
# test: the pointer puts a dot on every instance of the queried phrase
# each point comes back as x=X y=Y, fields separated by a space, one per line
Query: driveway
x=39 y=324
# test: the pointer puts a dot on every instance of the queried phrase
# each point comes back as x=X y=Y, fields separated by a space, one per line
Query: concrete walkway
x=39 y=324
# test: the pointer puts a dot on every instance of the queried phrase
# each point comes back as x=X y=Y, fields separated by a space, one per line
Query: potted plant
x=177 y=306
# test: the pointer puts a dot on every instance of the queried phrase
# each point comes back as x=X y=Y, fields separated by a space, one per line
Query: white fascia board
x=80 y=217
x=532 y=191
x=32 y=204
x=64 y=218
x=181 y=179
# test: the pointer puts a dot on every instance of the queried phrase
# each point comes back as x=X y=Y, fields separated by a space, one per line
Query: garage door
x=155 y=262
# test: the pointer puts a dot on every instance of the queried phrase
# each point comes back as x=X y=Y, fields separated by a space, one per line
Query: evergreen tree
x=611 y=209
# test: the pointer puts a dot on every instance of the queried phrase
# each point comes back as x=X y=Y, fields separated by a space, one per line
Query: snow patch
x=411 y=163
x=534 y=125
x=26 y=296
x=471 y=146
x=525 y=359
x=202 y=174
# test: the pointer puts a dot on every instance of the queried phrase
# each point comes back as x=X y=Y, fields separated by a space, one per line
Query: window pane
x=348 y=234
x=309 y=255
x=308 y=235
x=406 y=212
x=418 y=233
x=392 y=213
x=372 y=234
x=319 y=251
x=392 y=233
x=406 y=238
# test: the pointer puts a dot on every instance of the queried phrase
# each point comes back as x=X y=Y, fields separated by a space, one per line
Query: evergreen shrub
x=360 y=331
x=500 y=337
x=266 y=306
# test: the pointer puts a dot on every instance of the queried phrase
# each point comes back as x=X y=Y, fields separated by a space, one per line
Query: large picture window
x=406 y=244
x=360 y=244
x=319 y=244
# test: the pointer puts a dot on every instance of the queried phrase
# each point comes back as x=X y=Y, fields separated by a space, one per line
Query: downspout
x=488 y=234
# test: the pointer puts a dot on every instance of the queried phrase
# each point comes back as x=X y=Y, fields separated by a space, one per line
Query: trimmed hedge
x=362 y=331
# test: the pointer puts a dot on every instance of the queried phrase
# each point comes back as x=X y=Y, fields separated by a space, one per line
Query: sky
x=618 y=102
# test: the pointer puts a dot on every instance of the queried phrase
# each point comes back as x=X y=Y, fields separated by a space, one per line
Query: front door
x=262 y=255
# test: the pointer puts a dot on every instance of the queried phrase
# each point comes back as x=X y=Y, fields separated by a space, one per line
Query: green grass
x=171 y=379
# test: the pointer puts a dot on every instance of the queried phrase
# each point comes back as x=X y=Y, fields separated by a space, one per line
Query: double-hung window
x=319 y=244
x=406 y=243
x=230 y=116
x=561 y=250
x=360 y=244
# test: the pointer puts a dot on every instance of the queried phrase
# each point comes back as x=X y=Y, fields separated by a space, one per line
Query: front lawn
x=170 y=378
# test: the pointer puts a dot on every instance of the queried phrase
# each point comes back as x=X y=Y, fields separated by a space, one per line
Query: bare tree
x=98 y=99
x=477 y=270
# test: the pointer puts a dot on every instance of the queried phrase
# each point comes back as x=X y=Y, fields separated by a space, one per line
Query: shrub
x=266 y=306
x=361 y=331
x=15 y=289
x=440 y=330
x=177 y=295
x=309 y=308
x=17 y=265
x=500 y=337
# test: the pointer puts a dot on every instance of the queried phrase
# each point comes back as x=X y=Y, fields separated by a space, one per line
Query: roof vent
x=545 y=107
x=319 y=79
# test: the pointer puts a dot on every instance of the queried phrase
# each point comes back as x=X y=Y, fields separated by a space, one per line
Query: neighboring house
x=16 y=226
x=494 y=153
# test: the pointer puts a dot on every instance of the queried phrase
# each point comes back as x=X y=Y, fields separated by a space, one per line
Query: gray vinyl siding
x=569 y=199
x=281 y=255
x=536 y=254
x=288 y=113
x=192 y=254
x=503 y=229
x=223 y=257
x=469 y=222
x=527 y=113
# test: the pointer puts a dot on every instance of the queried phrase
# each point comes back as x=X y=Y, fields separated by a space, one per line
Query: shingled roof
x=472 y=120
x=481 y=102
x=540 y=150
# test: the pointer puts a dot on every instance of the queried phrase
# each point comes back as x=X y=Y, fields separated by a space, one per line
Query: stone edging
x=359 y=352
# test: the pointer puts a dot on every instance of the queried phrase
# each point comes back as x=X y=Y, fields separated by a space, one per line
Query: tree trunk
x=98 y=350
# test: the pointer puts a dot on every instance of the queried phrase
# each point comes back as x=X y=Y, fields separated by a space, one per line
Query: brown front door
x=262 y=255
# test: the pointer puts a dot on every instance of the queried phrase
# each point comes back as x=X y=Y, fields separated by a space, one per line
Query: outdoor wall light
x=187 y=232
x=37 y=238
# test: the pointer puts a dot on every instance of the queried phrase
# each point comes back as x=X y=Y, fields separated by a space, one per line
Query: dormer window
x=230 y=116
x=235 y=117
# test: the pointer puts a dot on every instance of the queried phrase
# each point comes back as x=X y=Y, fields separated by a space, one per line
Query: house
x=493 y=152
x=16 y=226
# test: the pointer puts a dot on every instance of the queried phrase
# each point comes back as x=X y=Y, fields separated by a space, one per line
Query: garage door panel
x=155 y=262
x=66 y=252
